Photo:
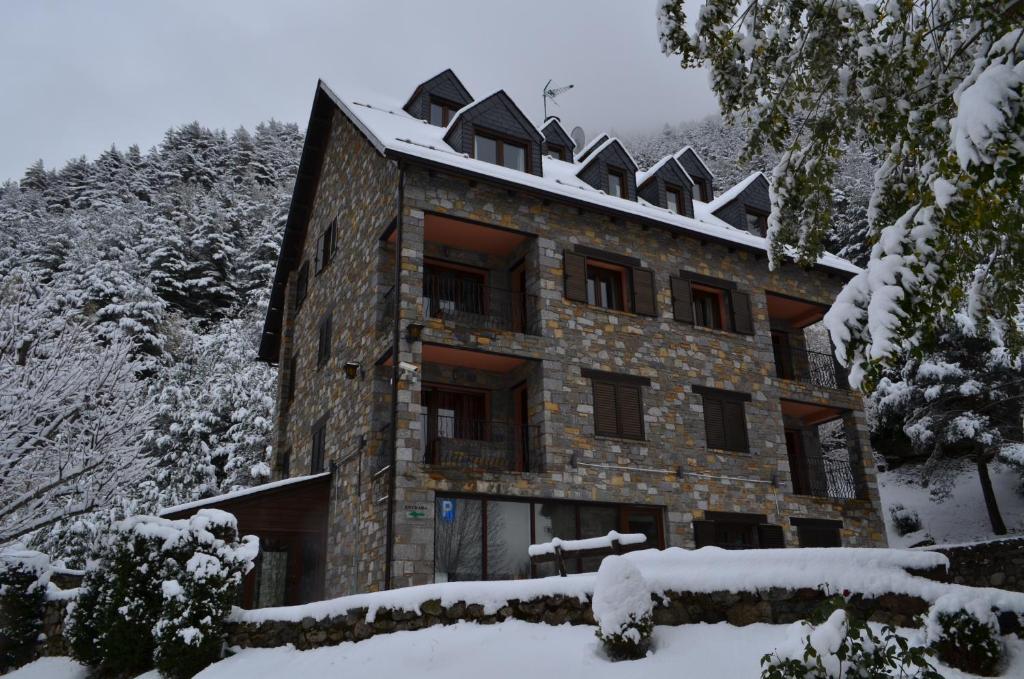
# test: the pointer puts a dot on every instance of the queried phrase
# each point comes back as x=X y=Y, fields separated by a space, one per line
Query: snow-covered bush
x=190 y=631
x=905 y=520
x=965 y=634
x=158 y=592
x=24 y=576
x=837 y=646
x=623 y=609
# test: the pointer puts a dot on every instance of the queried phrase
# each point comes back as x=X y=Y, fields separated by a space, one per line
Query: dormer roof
x=749 y=195
x=497 y=114
x=611 y=147
x=445 y=85
x=554 y=133
x=687 y=156
x=669 y=169
x=581 y=154
x=610 y=155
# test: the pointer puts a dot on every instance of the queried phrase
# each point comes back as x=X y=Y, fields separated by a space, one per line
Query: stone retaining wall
x=779 y=606
x=989 y=564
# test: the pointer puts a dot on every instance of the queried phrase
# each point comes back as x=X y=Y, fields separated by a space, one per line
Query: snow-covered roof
x=733 y=193
x=609 y=141
x=273 y=485
x=681 y=152
x=642 y=177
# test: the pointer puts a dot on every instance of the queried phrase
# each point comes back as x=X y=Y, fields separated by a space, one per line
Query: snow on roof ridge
x=700 y=160
x=556 y=121
x=642 y=177
x=735 y=190
x=240 y=493
x=439 y=73
x=591 y=144
x=608 y=142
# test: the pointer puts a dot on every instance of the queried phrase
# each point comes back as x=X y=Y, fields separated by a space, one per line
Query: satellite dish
x=579 y=137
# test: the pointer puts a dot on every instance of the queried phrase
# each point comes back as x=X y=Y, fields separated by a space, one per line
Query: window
x=703 y=188
x=757 y=222
x=605 y=285
x=618 y=404
x=711 y=303
x=323 y=347
x=454 y=413
x=725 y=422
x=818 y=532
x=674 y=200
x=617 y=183
x=708 y=307
x=293 y=378
x=301 y=285
x=325 y=247
x=730 y=530
x=477 y=538
x=442 y=112
x=556 y=151
x=500 y=152
x=316 y=457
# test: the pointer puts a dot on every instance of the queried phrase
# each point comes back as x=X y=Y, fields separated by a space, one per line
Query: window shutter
x=575 y=267
x=770 y=536
x=301 y=284
x=605 y=416
x=682 y=300
x=703 y=533
x=714 y=424
x=643 y=292
x=318 y=255
x=334 y=237
x=734 y=424
x=629 y=410
x=742 y=318
x=813 y=536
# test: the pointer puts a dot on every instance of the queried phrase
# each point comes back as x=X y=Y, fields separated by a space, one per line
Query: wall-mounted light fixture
x=352 y=370
x=413 y=332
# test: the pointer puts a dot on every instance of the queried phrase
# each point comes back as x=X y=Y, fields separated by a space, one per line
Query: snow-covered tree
x=962 y=400
x=73 y=413
x=935 y=88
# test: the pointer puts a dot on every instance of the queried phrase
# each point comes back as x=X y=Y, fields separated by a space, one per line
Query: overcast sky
x=76 y=76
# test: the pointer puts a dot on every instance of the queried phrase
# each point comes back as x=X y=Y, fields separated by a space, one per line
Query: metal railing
x=452 y=441
x=476 y=305
x=811 y=367
x=828 y=478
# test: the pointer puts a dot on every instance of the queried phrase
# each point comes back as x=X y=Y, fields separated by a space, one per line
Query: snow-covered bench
x=559 y=550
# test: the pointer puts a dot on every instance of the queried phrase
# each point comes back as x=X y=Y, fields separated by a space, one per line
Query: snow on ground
x=513 y=650
x=961 y=517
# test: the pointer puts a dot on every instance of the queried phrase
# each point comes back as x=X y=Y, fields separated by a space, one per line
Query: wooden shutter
x=334 y=238
x=643 y=292
x=605 y=412
x=818 y=536
x=629 y=410
x=770 y=536
x=682 y=299
x=742 y=318
x=703 y=533
x=714 y=424
x=734 y=424
x=301 y=284
x=575 y=267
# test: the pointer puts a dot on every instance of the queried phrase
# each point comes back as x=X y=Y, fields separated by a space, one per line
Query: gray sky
x=76 y=76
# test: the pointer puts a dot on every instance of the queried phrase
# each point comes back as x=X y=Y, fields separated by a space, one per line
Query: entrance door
x=646 y=520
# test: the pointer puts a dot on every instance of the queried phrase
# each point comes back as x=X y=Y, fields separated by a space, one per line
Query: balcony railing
x=826 y=477
x=451 y=441
x=476 y=305
x=810 y=367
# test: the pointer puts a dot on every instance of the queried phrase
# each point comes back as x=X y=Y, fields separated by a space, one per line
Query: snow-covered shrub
x=158 y=592
x=836 y=646
x=623 y=609
x=905 y=520
x=24 y=576
x=190 y=631
x=965 y=634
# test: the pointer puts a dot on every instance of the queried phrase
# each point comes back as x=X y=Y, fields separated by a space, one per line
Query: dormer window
x=616 y=183
x=441 y=111
x=757 y=222
x=674 y=199
x=703 y=189
x=498 y=151
x=557 y=151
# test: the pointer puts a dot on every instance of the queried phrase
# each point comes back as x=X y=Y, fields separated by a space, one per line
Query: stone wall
x=989 y=564
x=776 y=606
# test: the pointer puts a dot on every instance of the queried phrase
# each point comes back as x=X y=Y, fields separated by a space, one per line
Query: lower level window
x=709 y=307
x=485 y=539
x=730 y=530
x=818 y=532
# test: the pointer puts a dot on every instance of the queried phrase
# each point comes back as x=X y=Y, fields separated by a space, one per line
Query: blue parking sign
x=447 y=510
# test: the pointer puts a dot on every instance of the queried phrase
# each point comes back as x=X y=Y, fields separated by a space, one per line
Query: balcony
x=801 y=344
x=469 y=302
x=821 y=457
x=489 y=445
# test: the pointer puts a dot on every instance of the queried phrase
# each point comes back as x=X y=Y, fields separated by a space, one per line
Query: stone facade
x=999 y=563
x=672 y=471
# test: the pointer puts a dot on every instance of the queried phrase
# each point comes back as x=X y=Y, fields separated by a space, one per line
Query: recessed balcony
x=801 y=344
x=821 y=454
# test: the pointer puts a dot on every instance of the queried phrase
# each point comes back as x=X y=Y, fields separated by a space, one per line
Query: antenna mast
x=550 y=92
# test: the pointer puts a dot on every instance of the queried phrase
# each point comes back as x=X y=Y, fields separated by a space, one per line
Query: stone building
x=488 y=337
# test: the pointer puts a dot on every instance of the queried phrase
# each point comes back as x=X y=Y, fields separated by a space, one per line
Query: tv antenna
x=552 y=92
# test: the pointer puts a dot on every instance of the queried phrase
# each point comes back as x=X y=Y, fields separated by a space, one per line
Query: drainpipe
x=389 y=546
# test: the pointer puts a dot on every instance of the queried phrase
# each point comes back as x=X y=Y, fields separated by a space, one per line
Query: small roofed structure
x=609 y=167
x=499 y=120
x=436 y=99
x=746 y=205
x=290 y=519
x=666 y=184
x=557 y=142
x=699 y=172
